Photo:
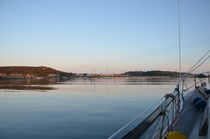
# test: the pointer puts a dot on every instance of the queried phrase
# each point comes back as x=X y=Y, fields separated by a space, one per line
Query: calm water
x=76 y=109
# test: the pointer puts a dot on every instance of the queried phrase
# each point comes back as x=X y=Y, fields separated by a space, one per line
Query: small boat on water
x=182 y=114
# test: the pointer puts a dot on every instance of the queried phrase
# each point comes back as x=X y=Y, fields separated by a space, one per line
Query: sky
x=110 y=36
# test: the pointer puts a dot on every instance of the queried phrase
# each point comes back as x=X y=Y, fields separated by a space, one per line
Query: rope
x=199 y=61
x=191 y=69
x=160 y=123
x=201 y=80
x=121 y=129
x=200 y=64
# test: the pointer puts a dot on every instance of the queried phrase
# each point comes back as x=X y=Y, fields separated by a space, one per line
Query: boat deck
x=190 y=121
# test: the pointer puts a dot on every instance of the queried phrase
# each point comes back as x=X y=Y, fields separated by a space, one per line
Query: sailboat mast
x=179 y=39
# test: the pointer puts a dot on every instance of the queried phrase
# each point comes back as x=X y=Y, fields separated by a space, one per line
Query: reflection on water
x=123 y=81
x=118 y=80
x=43 y=84
x=78 y=108
x=28 y=81
x=27 y=84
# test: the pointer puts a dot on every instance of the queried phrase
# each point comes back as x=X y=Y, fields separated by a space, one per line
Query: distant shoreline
x=43 y=72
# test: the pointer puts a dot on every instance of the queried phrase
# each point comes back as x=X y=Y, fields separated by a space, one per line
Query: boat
x=183 y=113
x=180 y=114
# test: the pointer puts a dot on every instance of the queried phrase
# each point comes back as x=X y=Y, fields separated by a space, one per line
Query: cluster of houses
x=54 y=76
x=99 y=75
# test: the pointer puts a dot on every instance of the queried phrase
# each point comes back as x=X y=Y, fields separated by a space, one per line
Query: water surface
x=77 y=109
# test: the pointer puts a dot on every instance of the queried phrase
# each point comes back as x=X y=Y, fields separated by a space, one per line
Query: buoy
x=175 y=135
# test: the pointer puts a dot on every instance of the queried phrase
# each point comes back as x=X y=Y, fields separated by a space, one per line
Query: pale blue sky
x=113 y=35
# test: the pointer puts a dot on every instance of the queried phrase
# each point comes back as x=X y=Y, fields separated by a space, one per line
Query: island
x=26 y=72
